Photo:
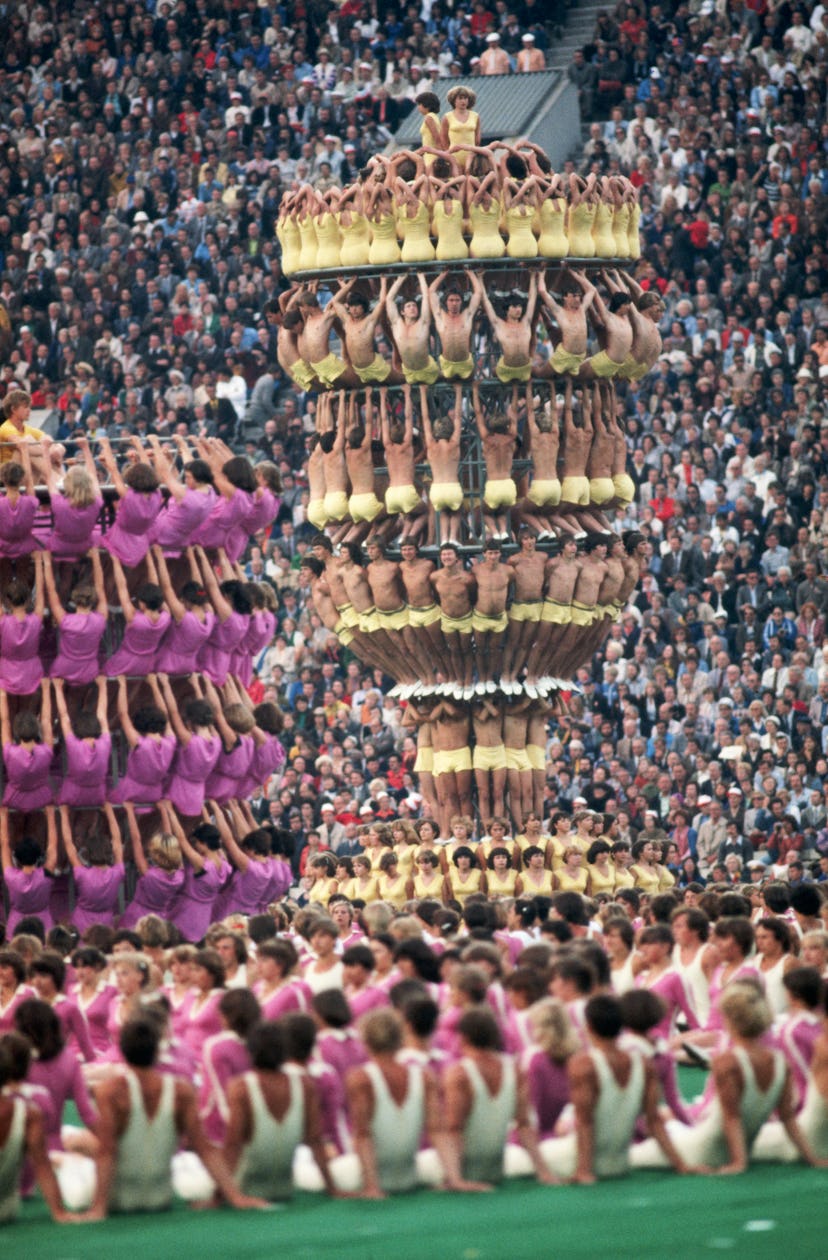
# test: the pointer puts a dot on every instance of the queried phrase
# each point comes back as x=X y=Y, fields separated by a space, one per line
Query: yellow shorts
x=557 y=614
x=545 y=493
x=624 y=487
x=517 y=759
x=446 y=496
x=316 y=513
x=423 y=616
x=564 y=362
x=422 y=376
x=603 y=366
x=348 y=615
x=537 y=756
x=335 y=504
x=451 y=367
x=601 y=489
x=582 y=616
x=424 y=763
x=377 y=370
x=456 y=625
x=631 y=370
x=506 y=372
x=575 y=490
x=302 y=374
x=401 y=499
x=364 y=507
x=393 y=620
x=330 y=368
x=487 y=757
x=485 y=624
x=526 y=612
x=345 y=636
x=453 y=762
x=499 y=494
x=369 y=621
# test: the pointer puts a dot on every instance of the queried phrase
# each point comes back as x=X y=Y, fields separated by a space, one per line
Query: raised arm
x=68 y=839
x=53 y=599
x=139 y=857
x=5 y=847
x=231 y=846
x=88 y=459
x=130 y=733
x=164 y=470
x=110 y=464
x=60 y=703
x=434 y=294
x=173 y=824
x=46 y=730
x=102 y=706
x=102 y=606
x=39 y=591
x=114 y=834
x=5 y=720
x=50 y=861
x=182 y=732
x=127 y=606
x=174 y=604
x=229 y=738
x=222 y=605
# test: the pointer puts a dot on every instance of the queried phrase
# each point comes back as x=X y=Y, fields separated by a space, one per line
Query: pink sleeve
x=84 y=1104
x=80 y=1028
x=666 y=1069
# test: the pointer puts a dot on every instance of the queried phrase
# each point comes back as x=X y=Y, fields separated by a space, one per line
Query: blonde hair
x=376 y=917
x=79 y=488
x=405 y=928
x=239 y=718
x=164 y=851
x=744 y=1006
x=551 y=1029
x=382 y=1031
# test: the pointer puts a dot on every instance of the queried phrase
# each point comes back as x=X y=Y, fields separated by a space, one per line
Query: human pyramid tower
x=469 y=456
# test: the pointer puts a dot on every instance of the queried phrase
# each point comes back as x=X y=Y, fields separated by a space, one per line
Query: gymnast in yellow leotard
x=520 y=203
x=602 y=235
x=379 y=210
x=447 y=221
x=484 y=217
x=583 y=206
x=354 y=228
x=553 y=242
x=328 y=235
x=428 y=103
x=461 y=125
x=414 y=219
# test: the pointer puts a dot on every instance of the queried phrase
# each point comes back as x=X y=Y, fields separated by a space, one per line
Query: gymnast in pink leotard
x=81 y=631
x=28 y=749
x=206 y=872
x=199 y=748
x=94 y=994
x=160 y=873
x=234 y=723
x=152 y=747
x=235 y=483
x=76 y=507
x=28 y=885
x=193 y=618
x=18 y=508
x=100 y=877
x=55 y=1066
x=262 y=514
x=189 y=504
x=225 y=1056
x=140 y=503
x=147 y=621
x=21 y=668
x=233 y=609
x=87 y=748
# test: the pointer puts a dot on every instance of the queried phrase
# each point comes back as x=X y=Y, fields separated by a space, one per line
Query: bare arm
x=55 y=606
x=50 y=861
x=131 y=734
x=114 y=834
x=102 y=706
x=138 y=855
x=40 y=592
x=233 y=850
x=110 y=464
x=67 y=837
x=174 y=604
x=60 y=703
x=182 y=732
x=127 y=606
x=222 y=605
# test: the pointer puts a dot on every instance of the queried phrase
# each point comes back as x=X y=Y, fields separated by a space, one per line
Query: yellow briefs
x=603 y=366
x=453 y=762
x=452 y=367
x=485 y=623
x=500 y=494
x=316 y=513
x=401 y=499
x=575 y=490
x=329 y=369
x=335 y=504
x=601 y=489
x=345 y=636
x=377 y=370
x=349 y=615
x=446 y=496
x=632 y=370
x=507 y=372
x=393 y=620
x=563 y=361
x=364 y=507
x=424 y=762
x=489 y=757
x=557 y=614
x=537 y=756
x=526 y=611
x=517 y=759
x=422 y=376
x=423 y=616
x=583 y=616
x=456 y=625
x=545 y=493
x=302 y=374
x=624 y=487
x=369 y=621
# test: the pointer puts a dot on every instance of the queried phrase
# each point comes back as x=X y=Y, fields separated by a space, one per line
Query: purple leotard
x=223 y=1057
x=27 y=776
x=193 y=911
x=204 y=1021
x=148 y=765
x=80 y=641
x=139 y=646
x=28 y=893
x=292 y=995
x=16 y=526
x=281 y=878
x=341 y=1049
x=267 y=759
x=183 y=642
x=191 y=769
x=74 y=529
x=21 y=668
x=87 y=764
x=180 y=521
x=96 y=1011
x=128 y=539
x=247 y=891
x=155 y=893
x=259 y=636
x=548 y=1088
x=96 y=894
x=231 y=770
x=225 y=516
x=262 y=513
x=216 y=655
x=63 y=1078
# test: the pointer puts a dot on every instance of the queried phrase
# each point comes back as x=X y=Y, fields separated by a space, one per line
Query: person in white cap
x=495 y=60
x=530 y=59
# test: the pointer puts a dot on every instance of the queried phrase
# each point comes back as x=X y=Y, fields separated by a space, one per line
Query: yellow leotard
x=602 y=237
x=504 y=887
x=291 y=244
x=523 y=842
x=309 y=247
x=601 y=883
x=486 y=241
x=621 y=231
x=393 y=890
x=558 y=846
x=384 y=247
x=460 y=890
x=666 y=881
x=366 y=892
x=552 y=242
x=647 y=881
x=486 y=846
x=375 y=856
x=416 y=242
x=531 y=889
x=570 y=883
x=623 y=878
x=433 y=889
x=427 y=140
x=579 y=230
x=329 y=240
x=321 y=891
x=462 y=133
x=633 y=239
x=521 y=243
x=405 y=856
x=448 y=228
x=356 y=240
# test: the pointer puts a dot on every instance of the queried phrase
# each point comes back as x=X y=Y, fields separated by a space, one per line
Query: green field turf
x=777 y=1212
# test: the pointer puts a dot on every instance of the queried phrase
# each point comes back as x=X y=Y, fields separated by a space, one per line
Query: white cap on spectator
x=493 y=38
x=367 y=809
x=528 y=38
x=705 y=800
